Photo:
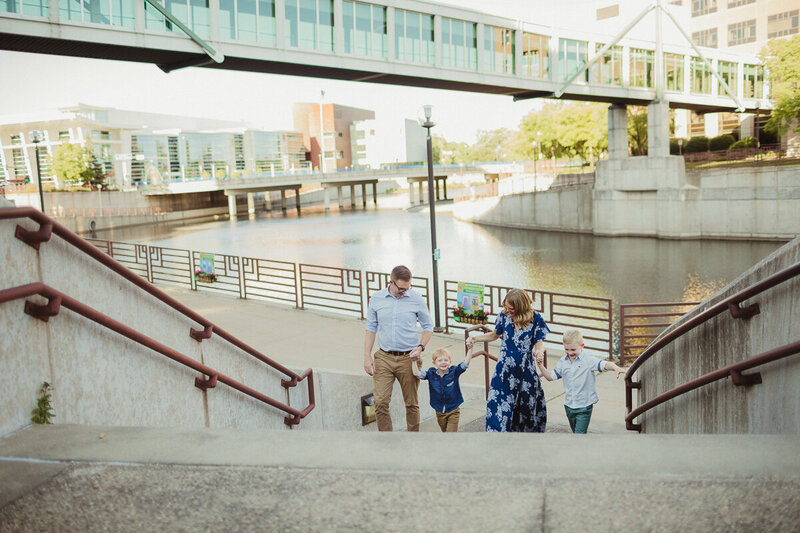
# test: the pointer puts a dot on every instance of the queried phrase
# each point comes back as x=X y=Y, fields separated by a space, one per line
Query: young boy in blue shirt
x=445 y=393
x=577 y=369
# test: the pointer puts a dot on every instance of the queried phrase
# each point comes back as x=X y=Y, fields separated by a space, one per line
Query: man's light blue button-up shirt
x=395 y=319
x=579 y=380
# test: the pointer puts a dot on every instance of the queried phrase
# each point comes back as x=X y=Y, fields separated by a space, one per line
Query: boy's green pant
x=579 y=418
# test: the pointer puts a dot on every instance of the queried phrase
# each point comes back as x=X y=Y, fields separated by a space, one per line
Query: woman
x=516 y=398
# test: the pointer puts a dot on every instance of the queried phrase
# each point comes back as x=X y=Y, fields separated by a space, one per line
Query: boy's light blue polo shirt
x=395 y=319
x=579 y=380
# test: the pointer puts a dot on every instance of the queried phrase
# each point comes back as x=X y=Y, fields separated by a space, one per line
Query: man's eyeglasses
x=400 y=289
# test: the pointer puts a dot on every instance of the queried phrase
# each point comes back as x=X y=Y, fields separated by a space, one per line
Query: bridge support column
x=352 y=196
x=267 y=201
x=251 y=204
x=297 y=200
x=375 y=194
x=410 y=193
x=421 y=196
x=436 y=183
x=232 y=205
x=326 y=198
x=283 y=200
x=444 y=185
x=658 y=129
x=364 y=195
x=339 y=197
x=617 y=131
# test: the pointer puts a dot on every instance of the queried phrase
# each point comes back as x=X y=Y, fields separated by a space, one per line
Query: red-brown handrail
x=57 y=299
x=47 y=226
x=731 y=304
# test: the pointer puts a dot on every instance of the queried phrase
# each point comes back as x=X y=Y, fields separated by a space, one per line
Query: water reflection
x=625 y=269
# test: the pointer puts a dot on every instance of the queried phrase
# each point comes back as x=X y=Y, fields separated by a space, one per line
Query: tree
x=449 y=152
x=637 y=130
x=567 y=129
x=76 y=164
x=784 y=73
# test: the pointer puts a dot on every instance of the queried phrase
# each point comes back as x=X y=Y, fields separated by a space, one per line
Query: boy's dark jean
x=579 y=418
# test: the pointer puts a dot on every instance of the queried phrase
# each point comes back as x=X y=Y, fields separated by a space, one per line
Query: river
x=625 y=269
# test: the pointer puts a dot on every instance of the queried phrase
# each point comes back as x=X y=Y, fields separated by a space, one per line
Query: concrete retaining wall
x=721 y=407
x=655 y=197
x=100 y=377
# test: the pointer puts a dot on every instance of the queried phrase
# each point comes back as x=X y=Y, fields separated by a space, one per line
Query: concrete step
x=94 y=478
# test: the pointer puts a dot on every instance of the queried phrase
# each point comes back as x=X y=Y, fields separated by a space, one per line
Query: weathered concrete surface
x=126 y=479
x=721 y=407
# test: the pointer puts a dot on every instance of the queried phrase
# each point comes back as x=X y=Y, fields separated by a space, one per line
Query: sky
x=265 y=100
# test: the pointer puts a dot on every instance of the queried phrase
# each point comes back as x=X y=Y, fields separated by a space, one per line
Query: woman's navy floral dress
x=516 y=398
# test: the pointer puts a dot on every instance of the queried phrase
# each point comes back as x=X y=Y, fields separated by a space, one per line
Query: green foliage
x=721 y=142
x=43 y=412
x=746 y=142
x=781 y=60
x=77 y=165
x=637 y=130
x=674 y=147
x=565 y=129
x=696 y=144
x=449 y=153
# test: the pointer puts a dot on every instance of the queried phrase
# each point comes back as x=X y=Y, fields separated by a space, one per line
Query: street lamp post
x=426 y=122
x=535 y=174
x=36 y=139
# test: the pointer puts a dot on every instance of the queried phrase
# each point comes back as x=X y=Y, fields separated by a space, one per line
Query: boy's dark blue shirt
x=444 y=390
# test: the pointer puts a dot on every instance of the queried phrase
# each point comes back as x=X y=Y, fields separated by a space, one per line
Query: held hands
x=539 y=357
x=619 y=371
x=415 y=353
x=470 y=342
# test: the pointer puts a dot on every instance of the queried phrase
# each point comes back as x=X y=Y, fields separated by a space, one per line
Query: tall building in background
x=374 y=145
x=136 y=148
x=334 y=140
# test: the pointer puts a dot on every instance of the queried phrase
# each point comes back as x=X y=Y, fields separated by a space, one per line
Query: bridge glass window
x=535 y=56
x=36 y=8
x=364 y=28
x=498 y=47
x=413 y=37
x=309 y=24
x=753 y=81
x=572 y=56
x=608 y=69
x=193 y=13
x=728 y=71
x=641 y=68
x=111 y=12
x=673 y=72
x=701 y=76
x=742 y=32
x=459 y=44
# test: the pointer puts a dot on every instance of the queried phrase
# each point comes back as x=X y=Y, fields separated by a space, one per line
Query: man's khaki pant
x=449 y=421
x=387 y=368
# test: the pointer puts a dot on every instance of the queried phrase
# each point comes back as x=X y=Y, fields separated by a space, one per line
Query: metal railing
x=762 y=154
x=592 y=315
x=57 y=300
x=159 y=270
x=636 y=323
x=730 y=304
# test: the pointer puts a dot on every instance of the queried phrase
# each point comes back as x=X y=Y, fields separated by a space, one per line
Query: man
x=393 y=315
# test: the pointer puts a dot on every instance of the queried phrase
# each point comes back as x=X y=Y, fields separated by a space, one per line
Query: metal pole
x=39 y=176
x=434 y=250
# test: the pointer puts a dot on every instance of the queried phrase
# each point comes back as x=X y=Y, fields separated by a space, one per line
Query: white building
x=375 y=145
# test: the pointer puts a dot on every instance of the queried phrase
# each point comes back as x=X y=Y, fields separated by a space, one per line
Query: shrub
x=674 y=149
x=696 y=144
x=721 y=142
x=746 y=142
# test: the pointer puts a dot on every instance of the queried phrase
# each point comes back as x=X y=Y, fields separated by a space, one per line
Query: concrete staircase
x=102 y=478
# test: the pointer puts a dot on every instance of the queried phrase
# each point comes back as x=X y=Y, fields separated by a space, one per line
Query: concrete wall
x=721 y=407
x=562 y=209
x=100 y=377
x=655 y=197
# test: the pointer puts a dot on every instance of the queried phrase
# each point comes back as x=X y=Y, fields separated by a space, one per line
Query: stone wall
x=721 y=407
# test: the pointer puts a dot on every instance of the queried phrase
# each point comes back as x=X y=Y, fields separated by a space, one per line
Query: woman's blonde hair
x=521 y=301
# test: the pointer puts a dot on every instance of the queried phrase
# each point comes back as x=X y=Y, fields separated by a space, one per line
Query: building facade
x=326 y=130
x=136 y=148
x=374 y=145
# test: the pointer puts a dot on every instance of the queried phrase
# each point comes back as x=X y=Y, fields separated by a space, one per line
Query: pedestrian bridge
x=397 y=42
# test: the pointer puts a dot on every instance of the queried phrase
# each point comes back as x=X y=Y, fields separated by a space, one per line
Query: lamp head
x=424 y=116
x=36 y=136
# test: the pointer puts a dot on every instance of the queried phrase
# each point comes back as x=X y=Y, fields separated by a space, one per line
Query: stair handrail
x=732 y=304
x=57 y=299
x=47 y=226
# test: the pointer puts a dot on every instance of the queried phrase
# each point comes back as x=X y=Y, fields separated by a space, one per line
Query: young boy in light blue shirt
x=577 y=370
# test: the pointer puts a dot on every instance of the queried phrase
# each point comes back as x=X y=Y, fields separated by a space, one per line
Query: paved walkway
x=281 y=332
